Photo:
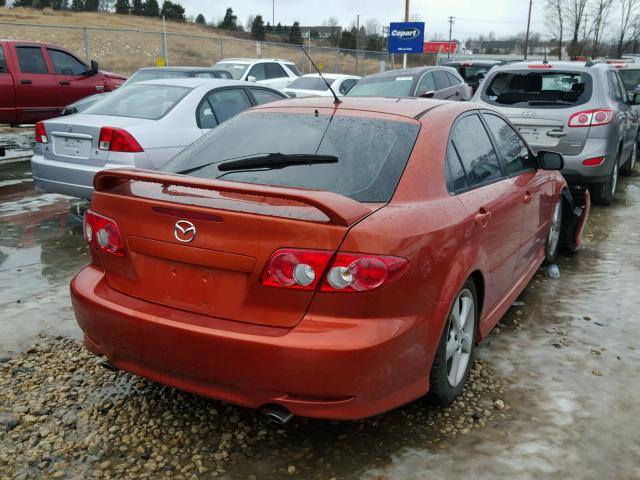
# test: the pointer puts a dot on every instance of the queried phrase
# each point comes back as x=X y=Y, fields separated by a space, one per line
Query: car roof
x=329 y=75
x=254 y=60
x=178 y=69
x=551 y=65
x=411 y=71
x=197 y=82
x=471 y=62
x=409 y=107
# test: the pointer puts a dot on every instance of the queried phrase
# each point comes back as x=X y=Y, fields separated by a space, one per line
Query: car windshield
x=631 y=78
x=528 y=88
x=369 y=154
x=159 y=74
x=236 y=70
x=140 y=101
x=311 y=83
x=383 y=86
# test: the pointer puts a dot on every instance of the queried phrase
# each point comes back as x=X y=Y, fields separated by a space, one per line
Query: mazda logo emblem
x=184 y=231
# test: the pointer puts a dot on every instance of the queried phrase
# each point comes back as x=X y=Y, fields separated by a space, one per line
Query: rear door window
x=257 y=71
x=453 y=80
x=205 y=116
x=3 y=61
x=66 y=64
x=274 y=70
x=515 y=154
x=473 y=145
x=454 y=173
x=228 y=103
x=346 y=85
x=263 y=96
x=31 y=60
x=623 y=90
x=614 y=88
x=442 y=79
x=532 y=88
x=426 y=84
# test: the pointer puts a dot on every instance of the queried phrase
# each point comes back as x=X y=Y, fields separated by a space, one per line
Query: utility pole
x=526 y=38
x=451 y=19
x=357 y=37
x=406 y=19
x=273 y=21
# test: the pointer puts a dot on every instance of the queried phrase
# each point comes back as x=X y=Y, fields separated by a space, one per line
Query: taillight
x=348 y=272
x=591 y=118
x=103 y=233
x=593 y=162
x=351 y=272
x=117 y=140
x=41 y=133
x=540 y=65
x=292 y=268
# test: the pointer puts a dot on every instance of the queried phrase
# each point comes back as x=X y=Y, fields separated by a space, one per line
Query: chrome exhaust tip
x=277 y=414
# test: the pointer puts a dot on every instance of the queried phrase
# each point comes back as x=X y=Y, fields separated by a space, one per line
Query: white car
x=266 y=71
x=313 y=85
x=144 y=125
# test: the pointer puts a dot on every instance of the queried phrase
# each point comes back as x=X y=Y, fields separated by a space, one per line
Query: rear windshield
x=631 y=78
x=310 y=83
x=142 y=75
x=140 y=101
x=235 y=69
x=383 y=86
x=528 y=88
x=470 y=74
x=371 y=153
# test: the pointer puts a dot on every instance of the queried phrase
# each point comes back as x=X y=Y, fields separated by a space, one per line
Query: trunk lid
x=237 y=228
x=75 y=138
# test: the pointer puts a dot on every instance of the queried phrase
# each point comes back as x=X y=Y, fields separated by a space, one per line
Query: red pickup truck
x=37 y=80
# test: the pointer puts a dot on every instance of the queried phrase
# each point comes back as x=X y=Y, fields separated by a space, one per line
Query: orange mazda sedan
x=319 y=259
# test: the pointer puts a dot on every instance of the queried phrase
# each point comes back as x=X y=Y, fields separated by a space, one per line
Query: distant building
x=323 y=32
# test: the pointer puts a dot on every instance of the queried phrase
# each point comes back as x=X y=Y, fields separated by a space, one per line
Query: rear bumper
x=578 y=174
x=323 y=367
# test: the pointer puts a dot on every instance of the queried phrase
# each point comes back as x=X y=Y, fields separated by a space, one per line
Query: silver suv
x=581 y=110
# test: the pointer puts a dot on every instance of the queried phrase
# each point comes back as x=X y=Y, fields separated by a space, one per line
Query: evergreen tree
x=2 y=2
x=123 y=7
x=229 y=21
x=23 y=3
x=172 y=11
x=257 y=28
x=279 y=28
x=295 y=35
x=91 y=5
x=151 y=8
x=77 y=5
x=200 y=19
x=137 y=7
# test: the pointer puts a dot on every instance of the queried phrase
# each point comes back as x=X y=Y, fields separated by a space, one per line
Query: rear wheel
x=555 y=228
x=604 y=192
x=451 y=364
x=628 y=167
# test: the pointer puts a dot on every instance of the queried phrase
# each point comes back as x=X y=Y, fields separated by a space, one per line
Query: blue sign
x=406 y=37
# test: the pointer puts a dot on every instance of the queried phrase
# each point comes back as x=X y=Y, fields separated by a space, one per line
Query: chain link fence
x=125 y=50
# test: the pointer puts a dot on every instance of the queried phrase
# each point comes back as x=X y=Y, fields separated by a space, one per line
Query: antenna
x=337 y=101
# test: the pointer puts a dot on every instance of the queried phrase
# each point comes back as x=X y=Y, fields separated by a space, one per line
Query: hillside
x=126 y=50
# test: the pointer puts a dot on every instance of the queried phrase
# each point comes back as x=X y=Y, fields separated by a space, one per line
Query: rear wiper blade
x=548 y=102
x=276 y=160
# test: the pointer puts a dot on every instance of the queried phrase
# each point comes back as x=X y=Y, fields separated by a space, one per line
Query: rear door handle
x=556 y=134
x=482 y=217
x=527 y=197
x=26 y=82
x=64 y=82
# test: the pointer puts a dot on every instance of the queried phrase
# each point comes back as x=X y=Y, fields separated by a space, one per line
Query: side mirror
x=634 y=98
x=427 y=94
x=550 y=161
x=251 y=78
x=94 y=68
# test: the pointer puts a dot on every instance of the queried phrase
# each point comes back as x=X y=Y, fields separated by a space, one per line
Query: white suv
x=267 y=71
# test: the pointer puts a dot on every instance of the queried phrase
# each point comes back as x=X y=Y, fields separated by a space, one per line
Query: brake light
x=593 y=162
x=103 y=233
x=351 y=272
x=591 y=118
x=41 y=133
x=540 y=65
x=117 y=140
x=292 y=268
x=348 y=272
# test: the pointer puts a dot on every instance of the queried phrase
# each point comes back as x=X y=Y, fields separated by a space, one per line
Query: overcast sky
x=473 y=17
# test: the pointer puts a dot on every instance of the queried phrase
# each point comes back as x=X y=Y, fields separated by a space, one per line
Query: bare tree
x=600 y=11
x=628 y=19
x=575 y=14
x=333 y=22
x=555 y=21
x=373 y=27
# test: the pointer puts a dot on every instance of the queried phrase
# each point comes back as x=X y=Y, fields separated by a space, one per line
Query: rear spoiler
x=341 y=210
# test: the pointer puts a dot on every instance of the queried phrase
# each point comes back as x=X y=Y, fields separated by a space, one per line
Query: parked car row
x=320 y=256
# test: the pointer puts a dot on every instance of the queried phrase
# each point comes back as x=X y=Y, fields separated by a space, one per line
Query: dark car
x=443 y=83
x=473 y=72
x=151 y=73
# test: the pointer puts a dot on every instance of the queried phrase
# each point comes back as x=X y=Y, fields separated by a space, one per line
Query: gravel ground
x=62 y=415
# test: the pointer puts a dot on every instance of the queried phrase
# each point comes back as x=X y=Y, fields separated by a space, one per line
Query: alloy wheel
x=460 y=336
x=614 y=179
x=554 y=230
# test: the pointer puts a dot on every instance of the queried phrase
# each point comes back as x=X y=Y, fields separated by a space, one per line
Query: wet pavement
x=554 y=396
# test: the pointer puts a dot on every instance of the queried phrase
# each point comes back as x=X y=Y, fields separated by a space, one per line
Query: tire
x=445 y=383
x=605 y=192
x=555 y=231
x=629 y=166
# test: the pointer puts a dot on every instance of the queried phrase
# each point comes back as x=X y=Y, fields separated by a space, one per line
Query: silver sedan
x=143 y=126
